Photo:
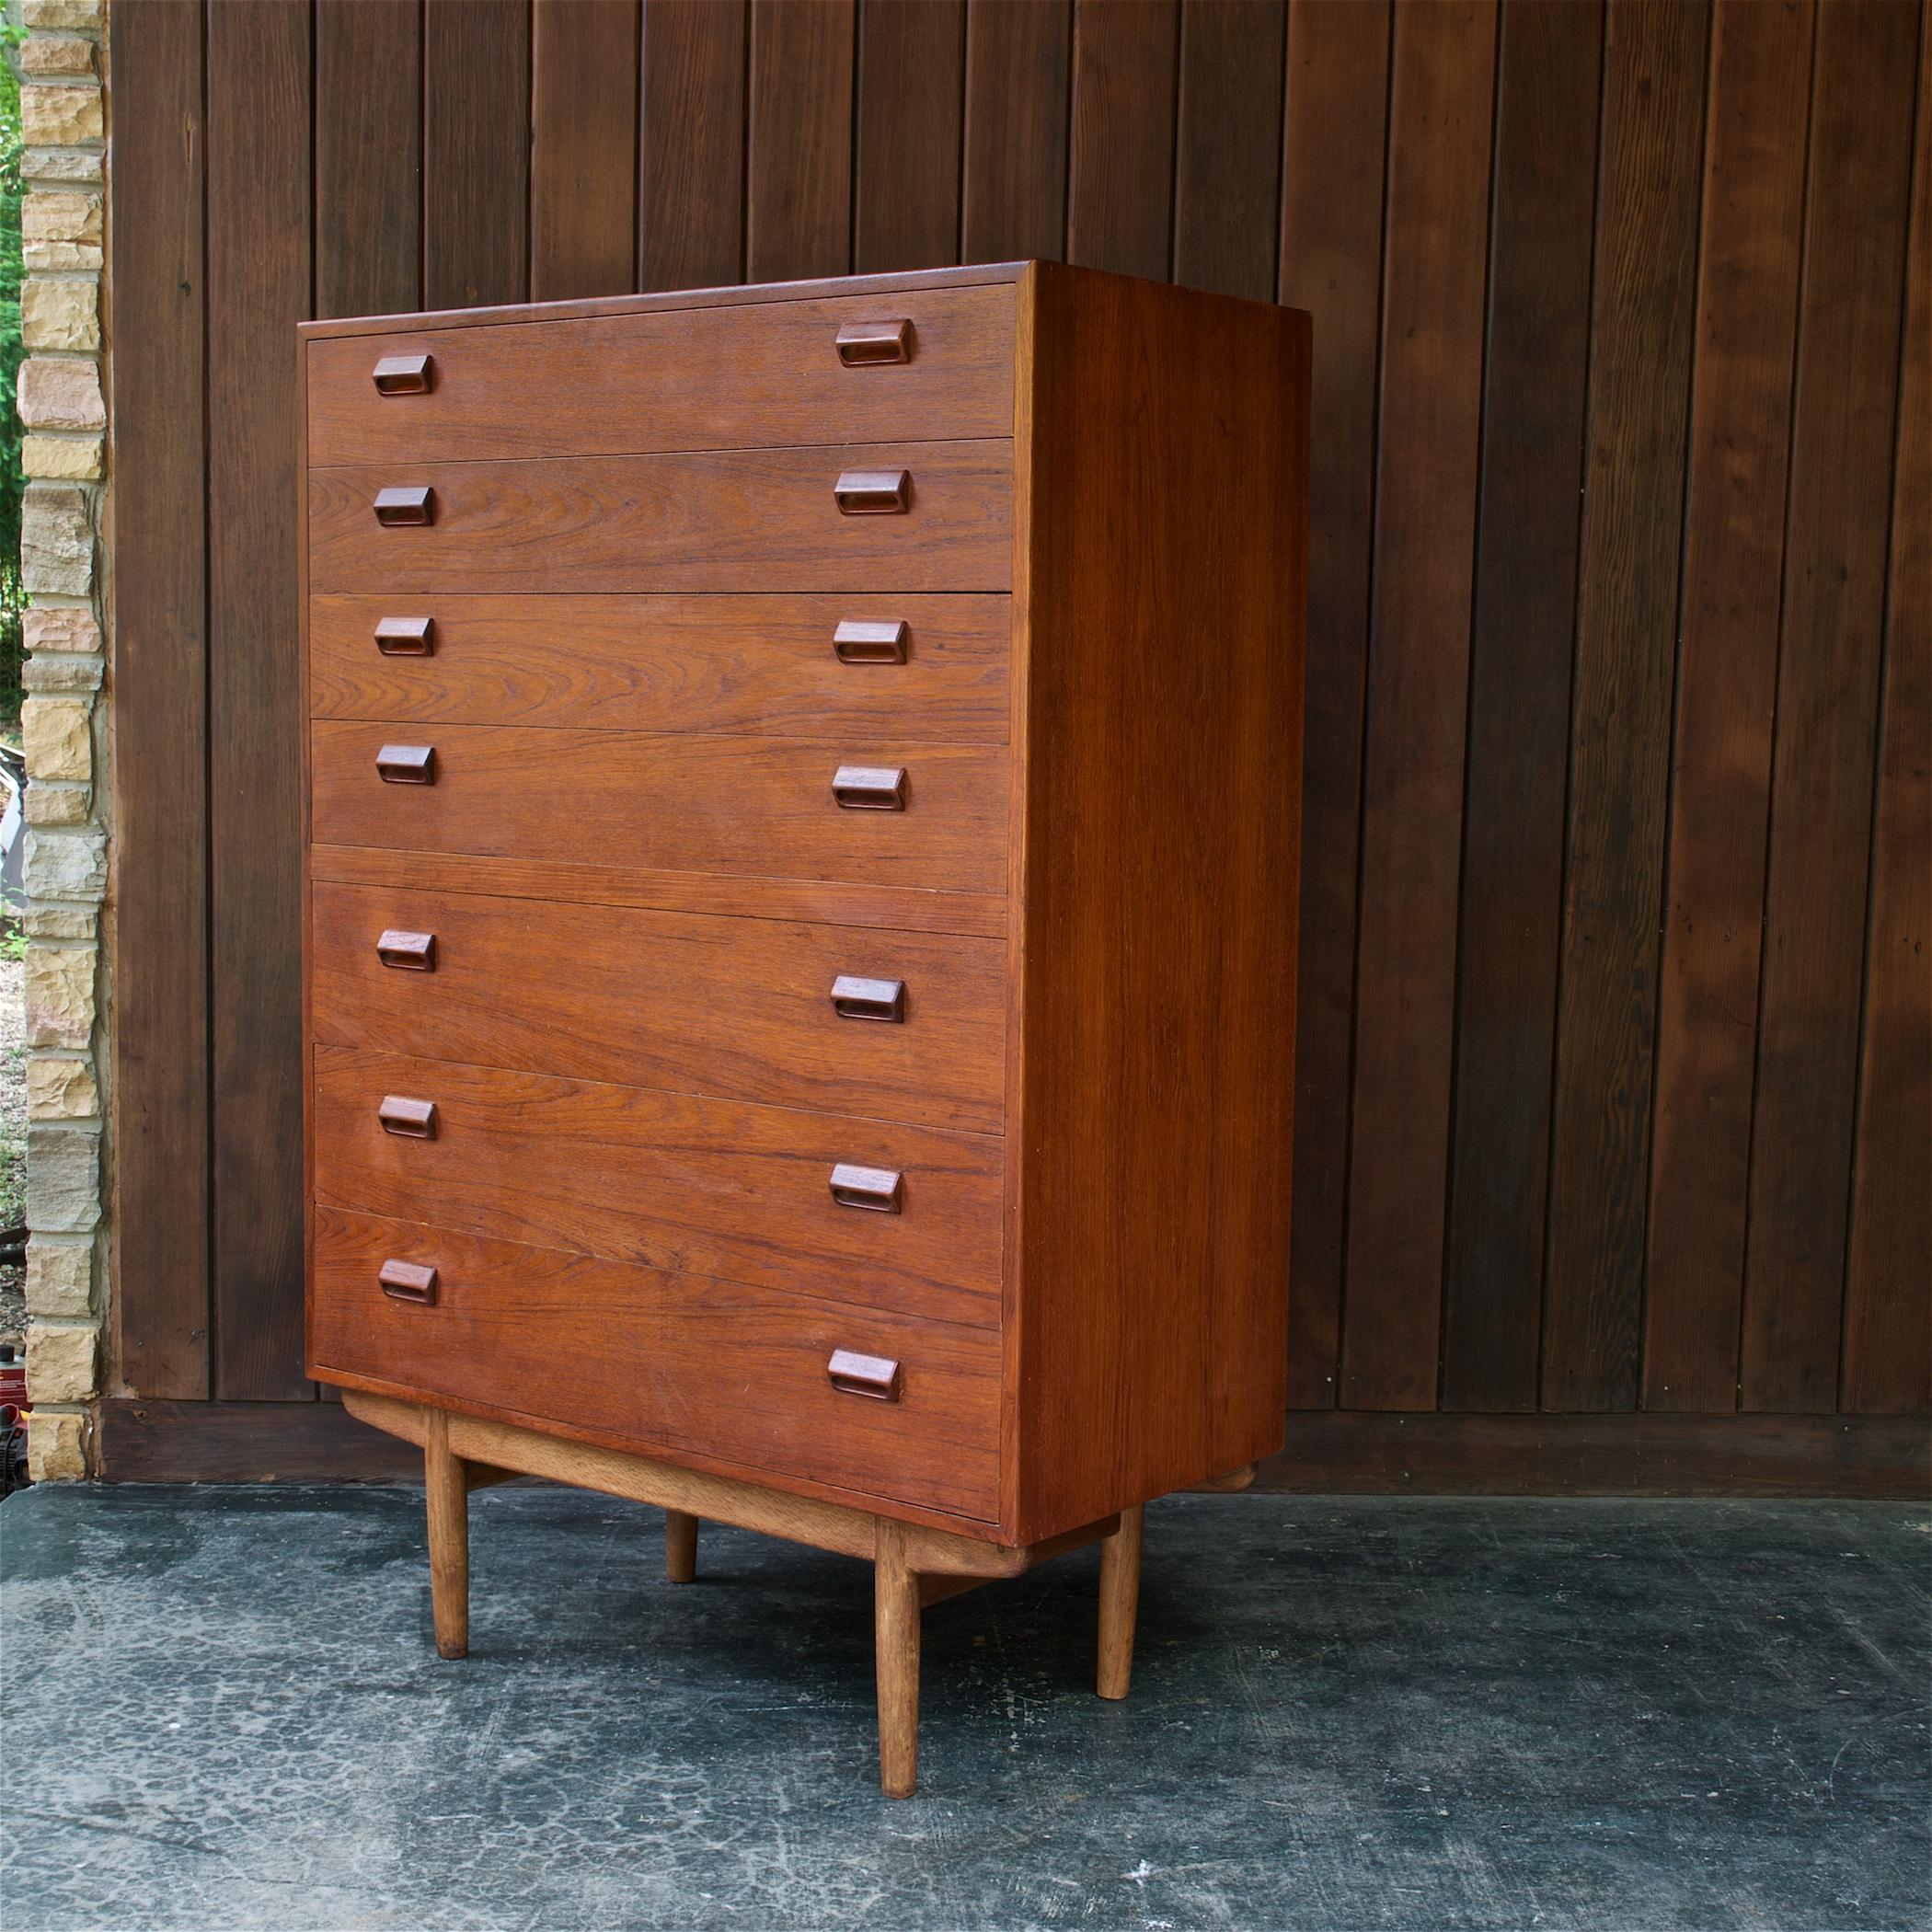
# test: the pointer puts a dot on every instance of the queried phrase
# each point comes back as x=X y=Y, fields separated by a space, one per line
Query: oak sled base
x=913 y=1565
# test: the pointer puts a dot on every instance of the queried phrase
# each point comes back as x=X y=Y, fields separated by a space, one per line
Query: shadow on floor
x=225 y=1712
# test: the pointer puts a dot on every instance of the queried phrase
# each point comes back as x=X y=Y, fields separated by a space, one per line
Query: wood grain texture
x=583 y=144
x=1013 y=192
x=476 y=152
x=798 y=182
x=1888 y=1284
x=143 y=1440
x=740 y=1009
x=895 y=1639
x=978 y=274
x=1536 y=364
x=1643 y=315
x=257 y=94
x=756 y=665
x=368 y=109
x=936 y=1544
x=1851 y=1456
x=724 y=521
x=161 y=1021
x=1120 y=194
x=365 y=220
x=679 y=379
x=1158 y=891
x=680 y=1546
x=1727 y=674
x=691 y=144
x=1120 y=1604
x=716 y=1187
x=697 y=802
x=447 y=1494
x=1332 y=175
x=814 y=902
x=1227 y=150
x=1826 y=749
x=1865 y=1456
x=912 y=95
x=1439 y=123
x=670 y=1361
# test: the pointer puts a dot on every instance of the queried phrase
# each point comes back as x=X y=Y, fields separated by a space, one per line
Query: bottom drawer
x=672 y=1362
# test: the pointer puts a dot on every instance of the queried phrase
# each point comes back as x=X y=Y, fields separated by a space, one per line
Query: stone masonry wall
x=62 y=407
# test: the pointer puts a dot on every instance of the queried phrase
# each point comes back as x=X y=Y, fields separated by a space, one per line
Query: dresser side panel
x=1164 y=553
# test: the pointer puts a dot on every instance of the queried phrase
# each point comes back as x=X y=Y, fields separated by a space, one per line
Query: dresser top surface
x=977 y=275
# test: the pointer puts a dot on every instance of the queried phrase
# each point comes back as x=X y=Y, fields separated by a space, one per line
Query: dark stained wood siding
x=1727 y=673
x=1613 y=1039
x=1334 y=172
x=1439 y=136
x=1825 y=741
x=1888 y=1342
x=912 y=107
x=161 y=1086
x=1548 y=74
x=1642 y=306
x=260 y=284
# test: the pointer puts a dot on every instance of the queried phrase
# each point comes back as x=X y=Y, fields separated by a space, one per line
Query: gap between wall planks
x=1588 y=698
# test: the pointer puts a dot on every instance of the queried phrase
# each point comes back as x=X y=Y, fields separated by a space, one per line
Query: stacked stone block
x=63 y=410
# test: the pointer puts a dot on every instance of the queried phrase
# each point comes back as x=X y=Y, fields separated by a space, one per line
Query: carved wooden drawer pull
x=869 y=788
x=863 y=345
x=870 y=492
x=868 y=999
x=406 y=764
x=876 y=1189
x=406 y=1281
x=857 y=642
x=404 y=375
x=408 y=952
x=406 y=637
x=874 y=1375
x=414 y=1119
x=415 y=503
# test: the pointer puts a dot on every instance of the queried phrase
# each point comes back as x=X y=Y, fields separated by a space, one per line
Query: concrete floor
x=222 y=1710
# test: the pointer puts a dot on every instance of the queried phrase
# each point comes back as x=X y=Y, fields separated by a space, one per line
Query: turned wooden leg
x=680 y=1546
x=449 y=1536
x=896 y=1618
x=1119 y=1600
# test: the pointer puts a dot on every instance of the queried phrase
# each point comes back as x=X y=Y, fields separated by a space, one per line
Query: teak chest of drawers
x=803 y=793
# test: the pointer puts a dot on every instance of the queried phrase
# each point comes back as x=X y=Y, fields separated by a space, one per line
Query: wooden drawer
x=719 y=519
x=722 y=1372
x=716 y=1187
x=762 y=807
x=679 y=379
x=924 y=668
x=738 y=1008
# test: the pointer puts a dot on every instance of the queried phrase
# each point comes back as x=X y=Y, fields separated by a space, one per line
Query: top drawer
x=731 y=377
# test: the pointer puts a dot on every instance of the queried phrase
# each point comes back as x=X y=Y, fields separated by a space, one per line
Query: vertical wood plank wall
x=1616 y=1014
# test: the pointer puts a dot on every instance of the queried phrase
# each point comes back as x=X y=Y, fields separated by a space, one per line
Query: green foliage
x=12 y=483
